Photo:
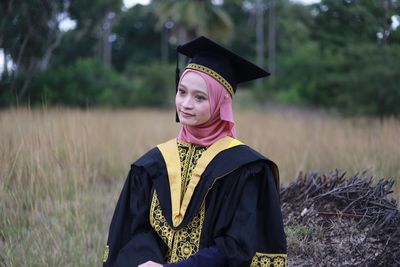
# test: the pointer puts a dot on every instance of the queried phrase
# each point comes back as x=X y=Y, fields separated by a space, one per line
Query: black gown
x=230 y=203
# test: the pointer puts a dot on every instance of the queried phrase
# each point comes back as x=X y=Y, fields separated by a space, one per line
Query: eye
x=200 y=98
x=181 y=91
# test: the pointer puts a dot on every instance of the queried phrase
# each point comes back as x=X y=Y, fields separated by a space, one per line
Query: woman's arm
x=211 y=256
x=205 y=257
x=131 y=240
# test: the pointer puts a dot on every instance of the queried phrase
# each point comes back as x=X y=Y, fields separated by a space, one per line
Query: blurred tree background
x=341 y=55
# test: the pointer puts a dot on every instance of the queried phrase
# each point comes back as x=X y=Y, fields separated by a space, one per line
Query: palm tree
x=192 y=18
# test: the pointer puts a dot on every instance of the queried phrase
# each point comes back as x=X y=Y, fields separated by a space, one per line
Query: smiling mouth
x=186 y=114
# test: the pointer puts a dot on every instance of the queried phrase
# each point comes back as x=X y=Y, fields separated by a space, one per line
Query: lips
x=186 y=115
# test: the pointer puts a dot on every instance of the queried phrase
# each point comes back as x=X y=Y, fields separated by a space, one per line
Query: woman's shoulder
x=147 y=165
x=248 y=159
x=148 y=158
x=246 y=152
x=153 y=156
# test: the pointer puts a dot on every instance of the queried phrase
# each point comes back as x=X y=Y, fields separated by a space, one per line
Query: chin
x=188 y=123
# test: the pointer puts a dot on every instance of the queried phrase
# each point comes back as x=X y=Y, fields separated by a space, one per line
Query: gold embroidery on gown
x=184 y=242
x=267 y=260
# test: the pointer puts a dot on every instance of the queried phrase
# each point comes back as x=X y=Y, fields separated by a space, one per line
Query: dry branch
x=349 y=221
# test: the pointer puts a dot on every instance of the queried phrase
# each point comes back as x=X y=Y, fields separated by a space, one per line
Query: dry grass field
x=61 y=170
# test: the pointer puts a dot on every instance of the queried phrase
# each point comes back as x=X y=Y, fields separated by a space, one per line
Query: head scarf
x=220 y=124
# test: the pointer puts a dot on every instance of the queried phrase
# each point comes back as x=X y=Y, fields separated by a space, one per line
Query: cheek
x=177 y=100
x=206 y=110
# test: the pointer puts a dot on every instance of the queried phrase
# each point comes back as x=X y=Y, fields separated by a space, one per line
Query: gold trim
x=187 y=239
x=181 y=243
x=158 y=222
x=207 y=156
x=106 y=253
x=169 y=150
x=267 y=260
x=189 y=154
x=214 y=74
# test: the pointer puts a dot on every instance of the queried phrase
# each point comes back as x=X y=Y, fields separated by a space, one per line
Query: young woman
x=203 y=198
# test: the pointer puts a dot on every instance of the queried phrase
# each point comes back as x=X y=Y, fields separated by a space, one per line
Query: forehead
x=194 y=81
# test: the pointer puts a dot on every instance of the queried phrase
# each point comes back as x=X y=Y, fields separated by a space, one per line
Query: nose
x=187 y=102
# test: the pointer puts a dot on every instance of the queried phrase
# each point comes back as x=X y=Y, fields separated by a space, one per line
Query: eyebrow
x=201 y=92
x=196 y=91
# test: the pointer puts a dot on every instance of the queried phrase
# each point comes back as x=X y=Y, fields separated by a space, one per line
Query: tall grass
x=61 y=170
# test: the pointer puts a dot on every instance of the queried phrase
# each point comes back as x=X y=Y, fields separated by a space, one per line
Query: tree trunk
x=260 y=33
x=387 y=5
x=54 y=38
x=5 y=67
x=164 y=44
x=44 y=63
x=103 y=50
x=28 y=79
x=22 y=49
x=107 y=26
x=272 y=39
x=182 y=36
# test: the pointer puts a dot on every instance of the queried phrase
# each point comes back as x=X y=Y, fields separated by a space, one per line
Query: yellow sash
x=169 y=151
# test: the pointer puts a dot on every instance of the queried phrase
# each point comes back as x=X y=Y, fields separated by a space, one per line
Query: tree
x=192 y=18
x=352 y=65
x=94 y=22
x=137 y=41
x=366 y=21
x=243 y=39
x=29 y=34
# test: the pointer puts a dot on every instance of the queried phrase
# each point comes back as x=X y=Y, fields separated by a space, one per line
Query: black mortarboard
x=224 y=65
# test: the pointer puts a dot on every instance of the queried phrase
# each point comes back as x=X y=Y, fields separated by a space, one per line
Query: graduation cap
x=222 y=64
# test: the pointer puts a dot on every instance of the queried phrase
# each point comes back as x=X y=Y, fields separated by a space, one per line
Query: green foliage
x=84 y=83
x=356 y=21
x=341 y=55
x=243 y=39
x=294 y=26
x=297 y=232
x=85 y=40
x=365 y=81
x=137 y=41
x=88 y=83
x=7 y=94
x=335 y=58
x=358 y=79
x=156 y=83
x=73 y=46
x=193 y=18
x=89 y=13
x=28 y=29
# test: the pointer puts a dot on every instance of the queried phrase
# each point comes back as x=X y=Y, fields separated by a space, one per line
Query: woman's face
x=192 y=101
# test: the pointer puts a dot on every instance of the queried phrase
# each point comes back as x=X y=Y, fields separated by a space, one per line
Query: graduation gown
x=228 y=215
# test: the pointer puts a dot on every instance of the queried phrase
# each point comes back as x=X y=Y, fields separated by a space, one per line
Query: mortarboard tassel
x=177 y=74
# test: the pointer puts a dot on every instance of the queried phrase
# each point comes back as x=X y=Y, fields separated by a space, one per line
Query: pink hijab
x=220 y=124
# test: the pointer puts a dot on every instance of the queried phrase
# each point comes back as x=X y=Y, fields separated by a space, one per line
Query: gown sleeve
x=254 y=236
x=131 y=240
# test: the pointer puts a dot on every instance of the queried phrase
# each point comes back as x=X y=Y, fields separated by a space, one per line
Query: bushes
x=87 y=82
x=155 y=83
x=84 y=83
x=356 y=79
